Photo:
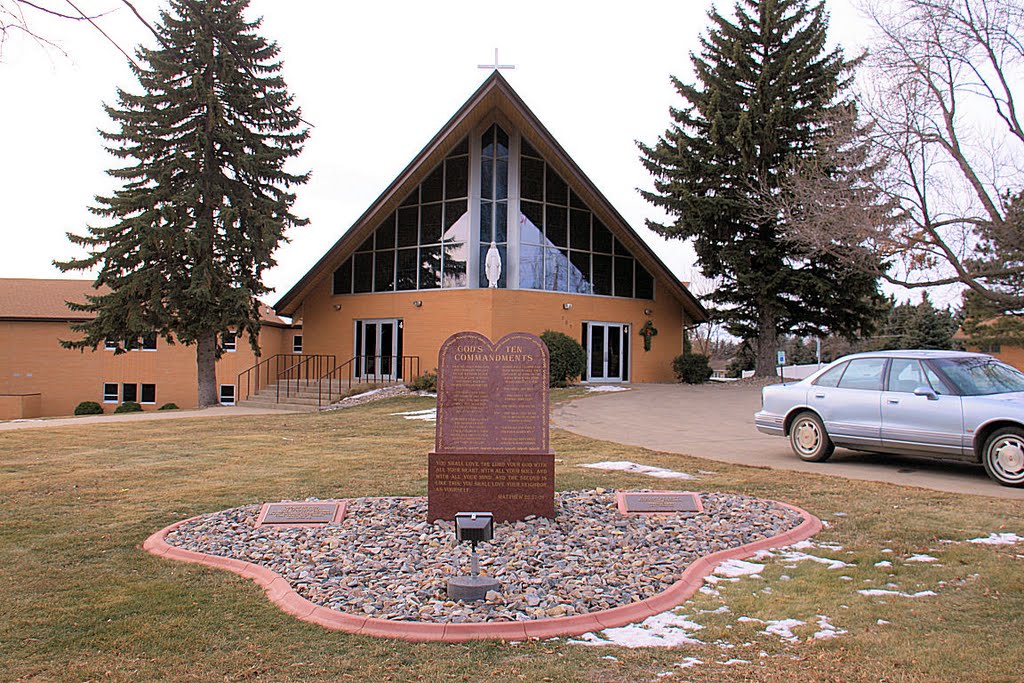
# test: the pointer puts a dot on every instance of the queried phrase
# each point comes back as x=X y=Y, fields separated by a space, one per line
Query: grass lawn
x=81 y=601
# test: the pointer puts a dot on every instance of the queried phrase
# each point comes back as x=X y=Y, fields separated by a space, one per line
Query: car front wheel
x=809 y=439
x=1004 y=456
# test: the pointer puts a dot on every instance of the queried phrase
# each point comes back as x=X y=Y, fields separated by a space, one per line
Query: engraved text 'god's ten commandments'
x=492 y=398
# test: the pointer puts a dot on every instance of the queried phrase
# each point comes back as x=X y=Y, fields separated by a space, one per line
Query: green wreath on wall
x=648 y=331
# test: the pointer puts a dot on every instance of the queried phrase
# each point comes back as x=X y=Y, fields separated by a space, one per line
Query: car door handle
x=819 y=396
x=893 y=401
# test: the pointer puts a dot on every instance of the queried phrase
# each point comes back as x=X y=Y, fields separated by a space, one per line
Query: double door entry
x=378 y=346
x=607 y=347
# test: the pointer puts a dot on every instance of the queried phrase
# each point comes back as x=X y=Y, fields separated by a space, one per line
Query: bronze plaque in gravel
x=510 y=487
x=299 y=514
x=659 y=502
x=492 y=398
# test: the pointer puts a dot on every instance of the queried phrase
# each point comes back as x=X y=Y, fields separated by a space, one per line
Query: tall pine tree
x=205 y=198
x=765 y=90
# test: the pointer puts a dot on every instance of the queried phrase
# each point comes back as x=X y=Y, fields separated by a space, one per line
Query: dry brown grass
x=82 y=602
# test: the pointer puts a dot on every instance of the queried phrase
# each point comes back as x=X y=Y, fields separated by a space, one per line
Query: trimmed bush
x=691 y=368
x=425 y=382
x=568 y=359
x=88 y=408
x=129 y=407
x=168 y=406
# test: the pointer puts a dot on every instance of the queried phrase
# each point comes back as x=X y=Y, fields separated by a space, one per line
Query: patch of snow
x=783 y=628
x=827 y=630
x=883 y=563
x=610 y=657
x=371 y=392
x=887 y=550
x=708 y=590
x=737 y=568
x=997 y=539
x=605 y=388
x=636 y=468
x=729 y=662
x=922 y=558
x=876 y=592
x=838 y=514
x=721 y=610
x=882 y=622
x=788 y=555
x=688 y=662
x=667 y=629
x=428 y=415
x=846 y=578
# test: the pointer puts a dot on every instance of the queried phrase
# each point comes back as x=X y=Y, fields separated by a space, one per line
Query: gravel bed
x=385 y=561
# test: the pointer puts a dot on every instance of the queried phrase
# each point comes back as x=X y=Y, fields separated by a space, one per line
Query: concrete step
x=251 y=403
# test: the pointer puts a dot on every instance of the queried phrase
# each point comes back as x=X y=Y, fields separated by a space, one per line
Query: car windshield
x=981 y=376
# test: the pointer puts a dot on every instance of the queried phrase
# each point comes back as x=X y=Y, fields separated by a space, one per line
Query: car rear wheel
x=1004 y=456
x=809 y=439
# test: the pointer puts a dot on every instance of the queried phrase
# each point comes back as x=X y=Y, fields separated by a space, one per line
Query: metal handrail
x=408 y=367
x=310 y=367
x=270 y=370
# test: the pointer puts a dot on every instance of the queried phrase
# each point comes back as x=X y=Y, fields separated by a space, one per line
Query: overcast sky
x=377 y=80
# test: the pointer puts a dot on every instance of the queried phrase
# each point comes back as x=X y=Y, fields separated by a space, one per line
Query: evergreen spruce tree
x=765 y=91
x=204 y=198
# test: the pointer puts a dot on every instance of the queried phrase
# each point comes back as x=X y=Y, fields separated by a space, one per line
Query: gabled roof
x=495 y=94
x=45 y=300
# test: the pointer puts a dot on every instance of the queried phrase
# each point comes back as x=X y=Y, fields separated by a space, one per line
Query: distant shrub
x=691 y=368
x=128 y=407
x=169 y=406
x=88 y=408
x=568 y=359
x=425 y=382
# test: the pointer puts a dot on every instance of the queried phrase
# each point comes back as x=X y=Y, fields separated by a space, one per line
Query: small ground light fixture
x=472 y=528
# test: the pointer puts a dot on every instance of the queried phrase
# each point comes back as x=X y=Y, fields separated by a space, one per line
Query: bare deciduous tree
x=935 y=187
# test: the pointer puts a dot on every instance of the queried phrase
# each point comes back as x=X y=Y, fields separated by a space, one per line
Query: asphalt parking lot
x=716 y=421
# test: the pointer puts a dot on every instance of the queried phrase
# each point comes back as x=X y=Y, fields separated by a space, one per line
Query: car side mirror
x=926 y=392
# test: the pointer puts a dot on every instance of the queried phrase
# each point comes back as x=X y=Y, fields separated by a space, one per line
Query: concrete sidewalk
x=716 y=421
x=218 y=411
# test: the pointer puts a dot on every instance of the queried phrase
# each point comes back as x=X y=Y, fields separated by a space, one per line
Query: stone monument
x=491 y=449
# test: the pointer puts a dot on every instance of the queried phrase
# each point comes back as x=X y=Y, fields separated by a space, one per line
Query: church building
x=493 y=228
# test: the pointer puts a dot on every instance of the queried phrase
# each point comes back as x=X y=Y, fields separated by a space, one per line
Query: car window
x=830 y=378
x=981 y=376
x=863 y=373
x=938 y=384
x=905 y=375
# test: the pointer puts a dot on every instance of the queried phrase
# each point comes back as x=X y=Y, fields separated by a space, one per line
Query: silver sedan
x=953 y=405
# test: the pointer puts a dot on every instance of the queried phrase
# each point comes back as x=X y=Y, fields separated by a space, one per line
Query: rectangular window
x=110 y=344
x=148 y=393
x=148 y=342
x=129 y=392
x=227 y=340
x=227 y=394
x=110 y=392
x=297 y=344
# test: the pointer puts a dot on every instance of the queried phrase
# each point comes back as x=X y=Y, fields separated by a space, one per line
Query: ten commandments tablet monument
x=491 y=451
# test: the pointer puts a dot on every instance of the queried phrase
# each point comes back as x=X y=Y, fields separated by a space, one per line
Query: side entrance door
x=607 y=347
x=378 y=346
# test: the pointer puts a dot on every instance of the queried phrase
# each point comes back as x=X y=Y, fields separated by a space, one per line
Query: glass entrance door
x=607 y=346
x=378 y=346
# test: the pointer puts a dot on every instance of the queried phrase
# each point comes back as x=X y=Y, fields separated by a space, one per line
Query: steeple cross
x=497 y=64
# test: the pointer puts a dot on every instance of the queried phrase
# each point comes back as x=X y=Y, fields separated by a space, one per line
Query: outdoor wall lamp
x=337 y=307
x=417 y=303
x=648 y=311
x=567 y=306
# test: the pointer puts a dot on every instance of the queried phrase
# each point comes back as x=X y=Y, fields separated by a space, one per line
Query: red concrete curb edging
x=281 y=594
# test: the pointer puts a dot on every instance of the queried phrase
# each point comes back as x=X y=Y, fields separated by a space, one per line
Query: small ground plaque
x=301 y=514
x=658 y=502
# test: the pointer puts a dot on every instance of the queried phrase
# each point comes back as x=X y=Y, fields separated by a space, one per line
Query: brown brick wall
x=32 y=361
x=494 y=313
